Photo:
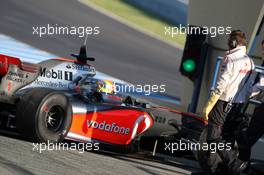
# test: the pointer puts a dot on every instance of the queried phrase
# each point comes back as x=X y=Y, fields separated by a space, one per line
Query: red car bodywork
x=116 y=126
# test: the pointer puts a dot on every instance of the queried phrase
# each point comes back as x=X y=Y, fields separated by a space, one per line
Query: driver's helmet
x=106 y=86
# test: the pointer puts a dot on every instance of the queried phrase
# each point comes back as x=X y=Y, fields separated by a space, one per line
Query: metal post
x=216 y=70
x=198 y=81
x=252 y=44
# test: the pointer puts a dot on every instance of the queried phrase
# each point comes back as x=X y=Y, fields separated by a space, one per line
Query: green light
x=189 y=65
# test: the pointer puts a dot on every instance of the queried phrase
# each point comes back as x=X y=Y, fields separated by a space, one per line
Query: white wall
x=239 y=14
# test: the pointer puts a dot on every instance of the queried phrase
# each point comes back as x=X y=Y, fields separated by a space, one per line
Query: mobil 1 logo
x=56 y=74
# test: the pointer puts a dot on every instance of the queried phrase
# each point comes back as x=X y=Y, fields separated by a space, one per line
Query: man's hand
x=205 y=115
x=210 y=104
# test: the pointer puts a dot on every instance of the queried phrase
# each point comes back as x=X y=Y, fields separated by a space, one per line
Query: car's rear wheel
x=44 y=115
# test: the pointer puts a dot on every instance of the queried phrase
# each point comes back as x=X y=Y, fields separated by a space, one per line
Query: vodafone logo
x=113 y=127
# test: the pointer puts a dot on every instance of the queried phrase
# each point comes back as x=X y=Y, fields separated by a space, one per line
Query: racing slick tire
x=44 y=115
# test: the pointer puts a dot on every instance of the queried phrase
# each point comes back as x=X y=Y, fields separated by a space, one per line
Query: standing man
x=256 y=126
x=229 y=95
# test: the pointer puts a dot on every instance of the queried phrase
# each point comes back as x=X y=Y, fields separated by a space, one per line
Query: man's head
x=236 y=38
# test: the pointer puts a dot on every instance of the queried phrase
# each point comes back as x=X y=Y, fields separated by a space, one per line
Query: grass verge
x=138 y=18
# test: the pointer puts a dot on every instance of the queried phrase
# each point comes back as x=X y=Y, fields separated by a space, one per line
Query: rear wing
x=14 y=75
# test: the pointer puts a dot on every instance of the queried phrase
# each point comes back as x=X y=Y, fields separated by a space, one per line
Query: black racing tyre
x=206 y=159
x=44 y=115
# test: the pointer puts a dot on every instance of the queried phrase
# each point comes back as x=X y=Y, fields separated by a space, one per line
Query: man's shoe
x=238 y=167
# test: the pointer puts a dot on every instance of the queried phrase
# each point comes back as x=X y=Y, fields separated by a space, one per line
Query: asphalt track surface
x=120 y=51
x=18 y=158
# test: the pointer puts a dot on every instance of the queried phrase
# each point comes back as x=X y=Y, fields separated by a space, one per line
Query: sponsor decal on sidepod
x=108 y=127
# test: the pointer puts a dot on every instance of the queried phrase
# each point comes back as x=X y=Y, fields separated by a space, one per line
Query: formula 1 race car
x=61 y=99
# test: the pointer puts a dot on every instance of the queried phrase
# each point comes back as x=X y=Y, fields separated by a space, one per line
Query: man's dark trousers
x=254 y=132
x=221 y=128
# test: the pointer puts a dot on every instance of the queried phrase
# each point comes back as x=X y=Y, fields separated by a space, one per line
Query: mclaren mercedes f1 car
x=60 y=99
